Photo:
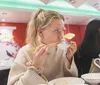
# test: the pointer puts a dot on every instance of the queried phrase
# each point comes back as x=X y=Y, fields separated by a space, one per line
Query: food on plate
x=67 y=81
x=64 y=83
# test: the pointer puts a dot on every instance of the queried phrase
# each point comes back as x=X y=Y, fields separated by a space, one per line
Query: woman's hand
x=71 y=50
x=39 y=56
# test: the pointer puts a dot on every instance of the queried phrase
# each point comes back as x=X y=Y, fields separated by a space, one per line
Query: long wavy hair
x=91 y=41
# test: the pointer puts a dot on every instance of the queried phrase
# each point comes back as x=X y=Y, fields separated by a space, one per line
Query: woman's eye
x=56 y=31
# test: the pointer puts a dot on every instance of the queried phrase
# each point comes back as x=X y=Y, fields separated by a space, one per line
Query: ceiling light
x=3 y=20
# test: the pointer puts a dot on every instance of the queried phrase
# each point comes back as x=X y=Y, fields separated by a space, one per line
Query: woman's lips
x=53 y=44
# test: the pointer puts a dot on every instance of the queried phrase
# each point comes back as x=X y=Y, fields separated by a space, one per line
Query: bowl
x=67 y=81
x=91 y=78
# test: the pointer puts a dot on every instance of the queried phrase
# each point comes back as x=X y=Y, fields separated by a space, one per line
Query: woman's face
x=54 y=32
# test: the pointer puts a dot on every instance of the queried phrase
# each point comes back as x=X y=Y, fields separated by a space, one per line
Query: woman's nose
x=61 y=35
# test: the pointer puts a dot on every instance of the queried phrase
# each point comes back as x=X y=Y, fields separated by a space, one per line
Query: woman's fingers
x=71 y=50
x=39 y=47
x=69 y=54
x=40 y=52
x=43 y=56
x=29 y=63
x=73 y=46
x=39 y=56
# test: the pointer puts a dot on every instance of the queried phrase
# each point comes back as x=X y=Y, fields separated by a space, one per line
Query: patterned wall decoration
x=9 y=48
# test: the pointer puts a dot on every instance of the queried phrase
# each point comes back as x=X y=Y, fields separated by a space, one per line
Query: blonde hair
x=41 y=19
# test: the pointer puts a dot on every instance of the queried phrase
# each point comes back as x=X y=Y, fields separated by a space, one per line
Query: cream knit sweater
x=56 y=65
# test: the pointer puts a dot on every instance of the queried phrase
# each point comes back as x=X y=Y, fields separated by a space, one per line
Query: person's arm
x=95 y=66
x=77 y=58
x=70 y=69
x=20 y=74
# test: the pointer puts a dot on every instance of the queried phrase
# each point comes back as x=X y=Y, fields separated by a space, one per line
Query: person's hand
x=39 y=56
x=71 y=50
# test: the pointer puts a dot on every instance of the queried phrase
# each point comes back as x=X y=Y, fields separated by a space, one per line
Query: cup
x=97 y=62
x=95 y=66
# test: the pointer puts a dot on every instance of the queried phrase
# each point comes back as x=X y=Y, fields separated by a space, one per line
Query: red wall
x=76 y=30
x=19 y=33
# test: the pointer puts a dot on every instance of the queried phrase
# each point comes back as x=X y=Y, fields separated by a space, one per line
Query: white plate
x=67 y=81
x=91 y=78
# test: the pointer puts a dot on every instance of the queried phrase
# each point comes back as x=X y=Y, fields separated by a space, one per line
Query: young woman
x=89 y=48
x=42 y=59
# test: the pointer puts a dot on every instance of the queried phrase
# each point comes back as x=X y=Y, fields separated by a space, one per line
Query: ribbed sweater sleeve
x=20 y=74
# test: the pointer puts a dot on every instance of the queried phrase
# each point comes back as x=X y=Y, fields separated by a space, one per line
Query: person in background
x=42 y=60
x=89 y=49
